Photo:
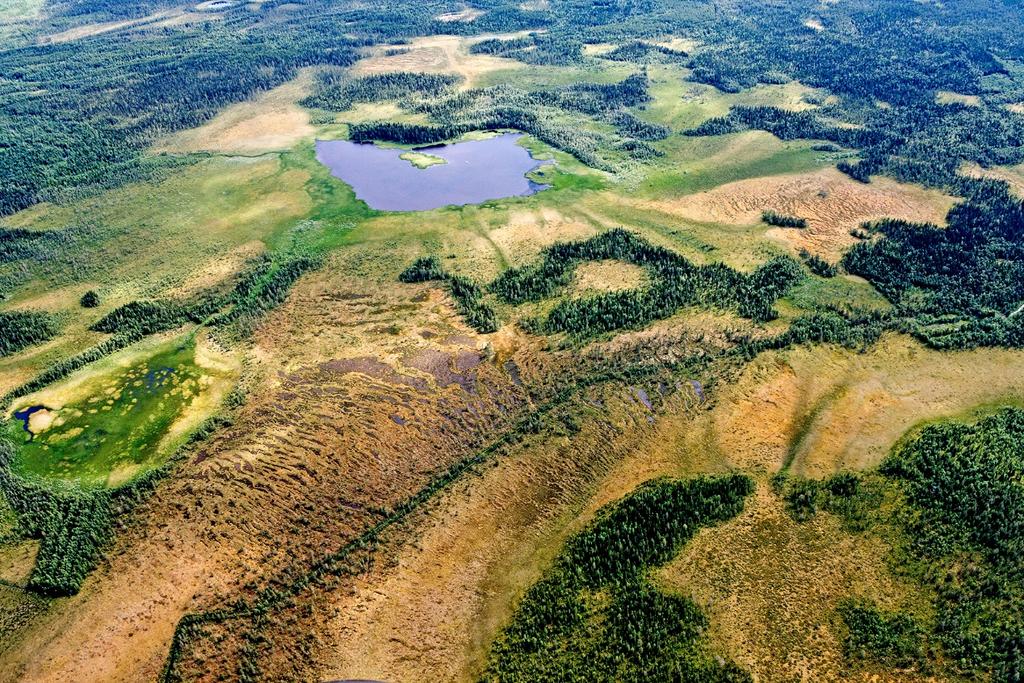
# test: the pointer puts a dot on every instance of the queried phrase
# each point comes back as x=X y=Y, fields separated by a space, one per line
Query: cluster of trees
x=926 y=144
x=601 y=98
x=336 y=91
x=141 y=318
x=17 y=244
x=549 y=115
x=818 y=265
x=630 y=126
x=952 y=497
x=895 y=640
x=640 y=52
x=782 y=220
x=676 y=283
x=849 y=496
x=263 y=284
x=21 y=329
x=962 y=285
x=560 y=632
x=90 y=299
x=535 y=48
x=766 y=285
x=850 y=329
x=406 y=133
x=786 y=125
x=468 y=295
x=71 y=523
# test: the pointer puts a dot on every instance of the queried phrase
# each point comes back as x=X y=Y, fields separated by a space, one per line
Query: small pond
x=461 y=173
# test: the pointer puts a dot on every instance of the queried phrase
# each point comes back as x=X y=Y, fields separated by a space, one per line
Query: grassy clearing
x=848 y=290
x=19 y=10
x=438 y=54
x=696 y=164
x=272 y=121
x=684 y=104
x=117 y=420
x=543 y=77
x=950 y=97
x=144 y=238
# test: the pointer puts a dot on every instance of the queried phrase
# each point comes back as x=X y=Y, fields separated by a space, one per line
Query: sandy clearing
x=436 y=54
x=1013 y=175
x=464 y=14
x=680 y=43
x=950 y=97
x=527 y=231
x=832 y=203
x=831 y=409
x=607 y=276
x=271 y=121
x=17 y=561
x=172 y=17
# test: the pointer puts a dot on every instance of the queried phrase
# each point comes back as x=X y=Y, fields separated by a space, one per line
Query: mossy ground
x=115 y=424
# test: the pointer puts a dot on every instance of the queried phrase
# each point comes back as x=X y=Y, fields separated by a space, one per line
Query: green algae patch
x=128 y=423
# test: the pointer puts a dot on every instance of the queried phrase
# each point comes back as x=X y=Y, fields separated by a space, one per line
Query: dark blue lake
x=474 y=172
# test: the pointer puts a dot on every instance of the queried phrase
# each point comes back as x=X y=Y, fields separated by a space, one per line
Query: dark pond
x=25 y=415
x=474 y=172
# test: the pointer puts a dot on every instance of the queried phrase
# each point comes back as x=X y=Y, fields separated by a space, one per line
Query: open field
x=273 y=121
x=818 y=411
x=832 y=203
x=436 y=54
x=19 y=10
x=771 y=587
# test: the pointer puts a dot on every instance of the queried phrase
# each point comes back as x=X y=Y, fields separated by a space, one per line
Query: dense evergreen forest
x=951 y=502
x=19 y=329
x=596 y=616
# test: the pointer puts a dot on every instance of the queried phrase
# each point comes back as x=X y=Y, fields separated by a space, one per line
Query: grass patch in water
x=421 y=160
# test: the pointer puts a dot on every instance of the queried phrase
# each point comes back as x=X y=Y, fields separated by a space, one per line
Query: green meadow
x=124 y=425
